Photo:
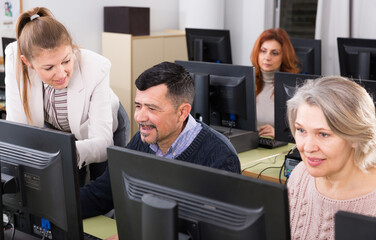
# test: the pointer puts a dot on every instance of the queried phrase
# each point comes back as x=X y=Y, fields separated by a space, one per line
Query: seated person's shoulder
x=219 y=151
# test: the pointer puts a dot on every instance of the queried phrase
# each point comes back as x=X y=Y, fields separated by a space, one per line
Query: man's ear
x=184 y=110
x=25 y=61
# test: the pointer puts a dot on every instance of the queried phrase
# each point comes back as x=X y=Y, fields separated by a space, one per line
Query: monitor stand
x=242 y=140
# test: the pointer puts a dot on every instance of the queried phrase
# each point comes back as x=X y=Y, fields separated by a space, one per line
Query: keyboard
x=270 y=143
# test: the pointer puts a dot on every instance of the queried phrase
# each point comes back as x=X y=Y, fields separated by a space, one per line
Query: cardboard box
x=130 y=20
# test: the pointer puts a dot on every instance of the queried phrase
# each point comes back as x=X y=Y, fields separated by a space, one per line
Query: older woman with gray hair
x=334 y=125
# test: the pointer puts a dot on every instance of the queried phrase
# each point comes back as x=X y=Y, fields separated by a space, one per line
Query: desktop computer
x=241 y=140
x=225 y=100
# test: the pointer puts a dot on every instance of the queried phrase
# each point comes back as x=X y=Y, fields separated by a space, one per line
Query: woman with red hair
x=272 y=52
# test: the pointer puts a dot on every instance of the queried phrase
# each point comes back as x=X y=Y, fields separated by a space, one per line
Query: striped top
x=56 y=107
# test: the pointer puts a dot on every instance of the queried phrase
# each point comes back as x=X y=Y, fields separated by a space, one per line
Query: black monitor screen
x=349 y=226
x=370 y=86
x=308 y=52
x=357 y=58
x=162 y=198
x=208 y=45
x=39 y=178
x=225 y=92
x=285 y=85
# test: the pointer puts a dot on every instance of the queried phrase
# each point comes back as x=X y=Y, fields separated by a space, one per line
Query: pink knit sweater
x=312 y=214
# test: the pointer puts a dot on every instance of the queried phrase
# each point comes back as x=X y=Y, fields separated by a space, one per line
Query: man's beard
x=140 y=125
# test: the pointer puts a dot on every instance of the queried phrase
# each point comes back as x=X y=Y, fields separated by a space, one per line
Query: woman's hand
x=266 y=131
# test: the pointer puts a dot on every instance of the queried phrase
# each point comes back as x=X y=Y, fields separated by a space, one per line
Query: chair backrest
x=121 y=135
x=5 y=41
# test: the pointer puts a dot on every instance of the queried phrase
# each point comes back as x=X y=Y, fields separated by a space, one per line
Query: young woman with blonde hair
x=51 y=82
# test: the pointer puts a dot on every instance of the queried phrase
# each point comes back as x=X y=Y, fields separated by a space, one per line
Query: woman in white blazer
x=44 y=61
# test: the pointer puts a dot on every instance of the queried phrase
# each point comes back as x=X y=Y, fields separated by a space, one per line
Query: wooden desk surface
x=255 y=161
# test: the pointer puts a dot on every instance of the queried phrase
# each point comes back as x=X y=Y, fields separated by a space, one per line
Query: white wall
x=246 y=21
x=201 y=14
x=84 y=18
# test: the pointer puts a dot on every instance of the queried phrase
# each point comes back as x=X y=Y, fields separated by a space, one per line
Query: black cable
x=260 y=162
x=264 y=170
x=251 y=166
x=286 y=181
x=280 y=171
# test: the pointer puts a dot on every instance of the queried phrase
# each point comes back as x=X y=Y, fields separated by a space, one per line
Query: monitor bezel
x=356 y=43
x=230 y=70
x=193 y=33
x=281 y=125
x=51 y=141
x=349 y=225
x=315 y=45
x=219 y=185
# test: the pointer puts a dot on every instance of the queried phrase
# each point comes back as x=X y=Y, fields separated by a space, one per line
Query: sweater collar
x=268 y=77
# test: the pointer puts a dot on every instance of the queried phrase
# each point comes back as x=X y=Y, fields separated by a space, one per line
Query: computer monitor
x=308 y=52
x=354 y=226
x=285 y=85
x=159 y=198
x=357 y=57
x=5 y=41
x=208 y=45
x=2 y=87
x=370 y=86
x=225 y=92
x=39 y=180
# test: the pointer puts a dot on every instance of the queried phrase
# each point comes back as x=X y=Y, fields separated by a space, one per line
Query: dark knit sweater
x=209 y=148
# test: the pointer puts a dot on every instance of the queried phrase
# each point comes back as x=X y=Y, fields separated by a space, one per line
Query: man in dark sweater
x=163 y=102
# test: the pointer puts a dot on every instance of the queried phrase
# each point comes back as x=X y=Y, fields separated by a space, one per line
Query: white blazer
x=92 y=105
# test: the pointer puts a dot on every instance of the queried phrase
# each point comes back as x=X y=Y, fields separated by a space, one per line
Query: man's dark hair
x=178 y=81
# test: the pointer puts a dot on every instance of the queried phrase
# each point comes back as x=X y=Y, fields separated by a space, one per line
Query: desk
x=256 y=160
x=100 y=226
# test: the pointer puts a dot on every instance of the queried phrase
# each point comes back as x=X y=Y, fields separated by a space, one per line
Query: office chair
x=5 y=41
x=121 y=135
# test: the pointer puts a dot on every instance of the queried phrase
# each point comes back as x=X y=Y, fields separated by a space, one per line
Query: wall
x=201 y=14
x=84 y=18
x=246 y=21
